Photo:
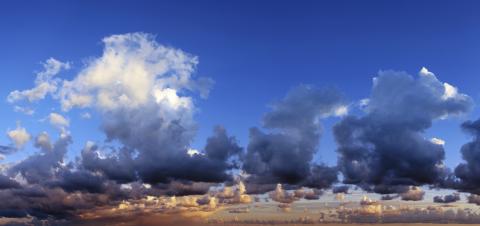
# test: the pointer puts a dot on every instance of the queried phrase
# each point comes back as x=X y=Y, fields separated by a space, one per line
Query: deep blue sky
x=254 y=50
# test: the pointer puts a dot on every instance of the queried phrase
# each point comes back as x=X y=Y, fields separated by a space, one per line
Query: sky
x=284 y=68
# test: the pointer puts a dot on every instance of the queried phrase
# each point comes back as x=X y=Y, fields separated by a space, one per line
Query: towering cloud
x=386 y=146
x=469 y=171
x=285 y=155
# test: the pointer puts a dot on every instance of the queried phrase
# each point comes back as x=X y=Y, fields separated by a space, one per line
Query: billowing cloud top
x=386 y=146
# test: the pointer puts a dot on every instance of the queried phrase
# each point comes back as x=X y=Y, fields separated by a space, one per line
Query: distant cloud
x=58 y=120
x=45 y=83
x=19 y=136
x=447 y=198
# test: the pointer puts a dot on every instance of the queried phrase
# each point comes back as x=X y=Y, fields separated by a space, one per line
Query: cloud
x=447 y=198
x=133 y=71
x=6 y=182
x=341 y=189
x=24 y=110
x=285 y=155
x=468 y=172
x=58 y=121
x=5 y=150
x=412 y=194
x=45 y=83
x=230 y=195
x=386 y=146
x=19 y=136
x=86 y=115
x=282 y=196
x=43 y=166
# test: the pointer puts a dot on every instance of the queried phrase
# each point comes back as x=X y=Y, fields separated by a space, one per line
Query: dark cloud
x=389 y=197
x=447 y=198
x=285 y=154
x=340 y=189
x=386 y=147
x=469 y=172
x=43 y=166
x=5 y=150
x=412 y=194
x=6 y=182
x=117 y=166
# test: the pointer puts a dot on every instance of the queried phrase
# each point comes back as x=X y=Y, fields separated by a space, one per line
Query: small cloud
x=45 y=83
x=58 y=120
x=437 y=141
x=24 y=110
x=86 y=115
x=19 y=136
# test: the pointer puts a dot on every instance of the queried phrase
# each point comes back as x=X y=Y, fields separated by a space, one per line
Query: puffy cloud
x=475 y=199
x=413 y=194
x=307 y=193
x=139 y=88
x=58 y=121
x=447 y=198
x=469 y=171
x=134 y=71
x=285 y=155
x=234 y=196
x=386 y=146
x=366 y=201
x=43 y=166
x=19 y=136
x=45 y=83
x=282 y=196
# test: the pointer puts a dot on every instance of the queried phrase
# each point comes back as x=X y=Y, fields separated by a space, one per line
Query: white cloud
x=450 y=91
x=437 y=141
x=58 y=120
x=341 y=110
x=86 y=115
x=19 y=136
x=24 y=110
x=134 y=70
x=44 y=83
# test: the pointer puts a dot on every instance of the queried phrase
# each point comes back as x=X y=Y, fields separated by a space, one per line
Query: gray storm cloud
x=386 y=146
x=285 y=154
x=469 y=171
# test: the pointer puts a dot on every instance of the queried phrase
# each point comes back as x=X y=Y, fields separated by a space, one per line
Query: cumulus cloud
x=285 y=155
x=45 y=83
x=282 y=196
x=19 y=136
x=413 y=194
x=386 y=146
x=58 y=121
x=447 y=198
x=469 y=171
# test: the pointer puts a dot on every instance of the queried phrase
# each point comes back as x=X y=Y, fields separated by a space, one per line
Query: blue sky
x=255 y=51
